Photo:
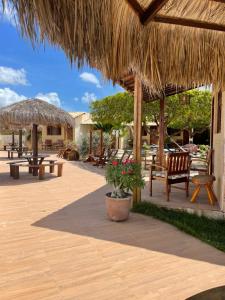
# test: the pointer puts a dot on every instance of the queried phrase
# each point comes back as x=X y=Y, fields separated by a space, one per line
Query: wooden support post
x=101 y=142
x=161 y=130
x=13 y=140
x=211 y=167
x=137 y=130
x=90 y=143
x=35 y=147
x=20 y=143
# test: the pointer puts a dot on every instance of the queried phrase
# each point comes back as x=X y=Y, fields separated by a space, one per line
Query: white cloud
x=90 y=77
x=8 y=14
x=52 y=98
x=8 y=96
x=12 y=76
x=76 y=99
x=88 y=97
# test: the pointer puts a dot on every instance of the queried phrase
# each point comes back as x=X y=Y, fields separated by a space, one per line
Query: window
x=219 y=112
x=54 y=130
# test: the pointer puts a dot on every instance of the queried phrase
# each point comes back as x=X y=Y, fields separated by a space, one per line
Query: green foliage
x=208 y=230
x=124 y=177
x=84 y=147
x=118 y=109
x=114 y=110
x=195 y=115
x=105 y=127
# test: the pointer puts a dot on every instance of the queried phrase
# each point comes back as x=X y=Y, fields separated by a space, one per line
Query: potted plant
x=124 y=177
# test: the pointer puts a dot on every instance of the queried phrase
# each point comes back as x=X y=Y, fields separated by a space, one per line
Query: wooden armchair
x=126 y=155
x=202 y=165
x=175 y=169
x=47 y=145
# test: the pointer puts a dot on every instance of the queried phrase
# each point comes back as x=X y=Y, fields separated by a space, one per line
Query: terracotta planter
x=118 y=209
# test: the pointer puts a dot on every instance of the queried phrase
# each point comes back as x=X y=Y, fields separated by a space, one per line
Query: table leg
x=195 y=193
x=210 y=194
x=41 y=172
x=51 y=168
x=213 y=194
x=8 y=154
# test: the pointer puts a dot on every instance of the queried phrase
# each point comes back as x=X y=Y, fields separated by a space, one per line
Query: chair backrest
x=60 y=142
x=113 y=153
x=178 y=163
x=126 y=156
x=48 y=142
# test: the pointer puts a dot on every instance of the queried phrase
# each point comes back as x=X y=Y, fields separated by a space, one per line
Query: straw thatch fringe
x=107 y=34
x=33 y=111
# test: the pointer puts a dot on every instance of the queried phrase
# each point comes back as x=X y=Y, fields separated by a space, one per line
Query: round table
x=204 y=181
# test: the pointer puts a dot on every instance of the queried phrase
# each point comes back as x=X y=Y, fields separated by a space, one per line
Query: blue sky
x=45 y=72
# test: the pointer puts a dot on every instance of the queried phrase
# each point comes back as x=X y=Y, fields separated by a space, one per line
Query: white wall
x=219 y=152
x=6 y=139
x=81 y=130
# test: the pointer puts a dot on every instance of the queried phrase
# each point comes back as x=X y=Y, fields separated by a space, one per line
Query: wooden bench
x=13 y=163
x=51 y=169
x=15 y=167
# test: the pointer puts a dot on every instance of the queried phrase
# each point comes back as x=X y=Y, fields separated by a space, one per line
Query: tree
x=195 y=114
x=114 y=110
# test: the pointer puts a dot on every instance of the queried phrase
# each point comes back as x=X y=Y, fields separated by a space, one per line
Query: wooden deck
x=56 y=244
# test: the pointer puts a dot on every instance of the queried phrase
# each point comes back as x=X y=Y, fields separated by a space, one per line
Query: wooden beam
x=137 y=130
x=189 y=23
x=137 y=8
x=152 y=10
x=161 y=130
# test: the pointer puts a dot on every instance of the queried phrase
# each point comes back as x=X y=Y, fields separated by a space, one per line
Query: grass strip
x=207 y=230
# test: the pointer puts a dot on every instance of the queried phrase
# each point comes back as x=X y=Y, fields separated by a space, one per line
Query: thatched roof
x=110 y=35
x=33 y=111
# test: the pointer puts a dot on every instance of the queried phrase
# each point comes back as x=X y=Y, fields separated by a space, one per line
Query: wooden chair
x=47 y=145
x=202 y=165
x=127 y=155
x=175 y=169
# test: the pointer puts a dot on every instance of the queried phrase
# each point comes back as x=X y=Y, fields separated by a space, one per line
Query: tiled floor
x=56 y=243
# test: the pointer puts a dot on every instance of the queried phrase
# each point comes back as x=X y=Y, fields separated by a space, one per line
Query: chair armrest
x=157 y=166
x=198 y=159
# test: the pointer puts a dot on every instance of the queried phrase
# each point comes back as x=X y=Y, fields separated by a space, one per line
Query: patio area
x=56 y=243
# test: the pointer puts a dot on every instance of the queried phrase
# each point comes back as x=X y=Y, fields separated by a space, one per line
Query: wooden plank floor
x=56 y=243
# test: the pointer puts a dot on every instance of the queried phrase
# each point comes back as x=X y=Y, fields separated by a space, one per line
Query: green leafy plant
x=124 y=177
x=84 y=147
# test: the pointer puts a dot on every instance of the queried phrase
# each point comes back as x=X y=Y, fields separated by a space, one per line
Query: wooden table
x=35 y=160
x=207 y=182
x=17 y=150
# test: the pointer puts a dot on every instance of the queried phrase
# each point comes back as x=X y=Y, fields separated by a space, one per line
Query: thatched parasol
x=111 y=35
x=33 y=112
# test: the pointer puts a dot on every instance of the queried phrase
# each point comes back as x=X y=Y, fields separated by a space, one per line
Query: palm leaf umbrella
x=31 y=113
